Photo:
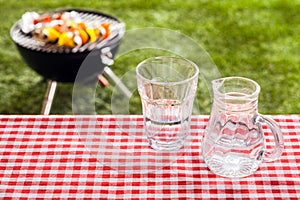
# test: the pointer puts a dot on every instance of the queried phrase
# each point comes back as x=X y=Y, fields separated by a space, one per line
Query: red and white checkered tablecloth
x=108 y=157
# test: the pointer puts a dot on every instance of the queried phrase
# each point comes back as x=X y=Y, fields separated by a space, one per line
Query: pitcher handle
x=271 y=155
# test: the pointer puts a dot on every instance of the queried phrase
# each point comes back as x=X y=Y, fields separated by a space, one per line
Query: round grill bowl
x=62 y=63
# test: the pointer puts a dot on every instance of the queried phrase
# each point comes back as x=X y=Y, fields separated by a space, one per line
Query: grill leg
x=49 y=97
x=102 y=80
x=117 y=81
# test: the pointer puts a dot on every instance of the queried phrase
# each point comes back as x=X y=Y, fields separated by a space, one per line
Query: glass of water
x=167 y=87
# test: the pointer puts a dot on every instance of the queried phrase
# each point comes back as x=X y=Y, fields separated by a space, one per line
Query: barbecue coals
x=66 y=29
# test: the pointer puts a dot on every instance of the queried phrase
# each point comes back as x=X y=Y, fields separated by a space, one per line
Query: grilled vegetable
x=92 y=34
x=66 y=39
x=50 y=34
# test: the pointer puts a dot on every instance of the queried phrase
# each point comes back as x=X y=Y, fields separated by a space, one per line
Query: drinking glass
x=167 y=87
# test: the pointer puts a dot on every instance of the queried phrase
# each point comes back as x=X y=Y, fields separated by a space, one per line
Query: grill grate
x=117 y=30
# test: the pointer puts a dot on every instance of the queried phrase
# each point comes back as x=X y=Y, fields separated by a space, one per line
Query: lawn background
x=251 y=38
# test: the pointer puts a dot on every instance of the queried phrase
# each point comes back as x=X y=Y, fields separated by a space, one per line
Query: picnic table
x=54 y=156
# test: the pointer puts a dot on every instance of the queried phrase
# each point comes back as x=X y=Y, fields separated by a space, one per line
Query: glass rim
x=172 y=82
x=254 y=94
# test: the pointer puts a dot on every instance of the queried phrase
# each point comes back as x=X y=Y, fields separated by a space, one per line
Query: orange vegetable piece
x=106 y=27
x=81 y=25
x=84 y=36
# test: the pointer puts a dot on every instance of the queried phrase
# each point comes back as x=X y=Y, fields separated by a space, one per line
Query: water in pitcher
x=233 y=149
x=233 y=143
x=166 y=122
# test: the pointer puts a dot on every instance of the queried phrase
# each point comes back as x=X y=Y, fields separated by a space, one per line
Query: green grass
x=256 y=39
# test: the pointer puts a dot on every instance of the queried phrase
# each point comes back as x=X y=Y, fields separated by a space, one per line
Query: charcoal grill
x=61 y=64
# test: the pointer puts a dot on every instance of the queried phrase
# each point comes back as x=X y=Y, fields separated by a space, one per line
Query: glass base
x=232 y=165
x=174 y=146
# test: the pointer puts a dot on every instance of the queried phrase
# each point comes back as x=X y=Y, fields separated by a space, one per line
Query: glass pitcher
x=233 y=143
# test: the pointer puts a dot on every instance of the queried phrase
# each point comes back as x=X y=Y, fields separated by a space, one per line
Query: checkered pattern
x=108 y=157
